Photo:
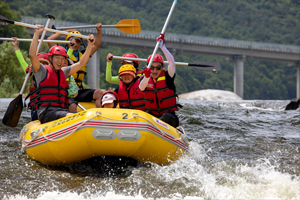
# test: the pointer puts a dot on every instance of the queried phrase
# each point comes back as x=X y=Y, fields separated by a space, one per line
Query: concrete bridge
x=235 y=50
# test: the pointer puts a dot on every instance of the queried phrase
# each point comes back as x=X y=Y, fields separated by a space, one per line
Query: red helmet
x=43 y=57
x=58 y=50
x=157 y=58
x=130 y=55
x=114 y=94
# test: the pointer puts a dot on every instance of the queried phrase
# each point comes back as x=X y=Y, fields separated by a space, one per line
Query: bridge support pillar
x=298 y=81
x=93 y=71
x=238 y=75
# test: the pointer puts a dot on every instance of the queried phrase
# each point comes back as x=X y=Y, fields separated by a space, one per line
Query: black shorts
x=85 y=95
x=53 y=113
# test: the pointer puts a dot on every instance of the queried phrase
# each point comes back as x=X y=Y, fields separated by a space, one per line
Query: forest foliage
x=265 y=21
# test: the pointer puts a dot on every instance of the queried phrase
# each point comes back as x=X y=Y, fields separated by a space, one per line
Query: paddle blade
x=4 y=21
x=129 y=26
x=13 y=112
x=206 y=66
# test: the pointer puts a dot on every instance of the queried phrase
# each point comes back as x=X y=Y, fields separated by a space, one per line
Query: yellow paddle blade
x=129 y=26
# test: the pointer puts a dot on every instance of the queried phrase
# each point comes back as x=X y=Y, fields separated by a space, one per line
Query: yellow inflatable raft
x=104 y=132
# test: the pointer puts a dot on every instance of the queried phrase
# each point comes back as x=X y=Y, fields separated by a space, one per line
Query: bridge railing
x=182 y=38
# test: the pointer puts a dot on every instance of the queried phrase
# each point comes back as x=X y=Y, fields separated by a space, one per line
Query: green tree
x=251 y=20
x=12 y=30
x=11 y=73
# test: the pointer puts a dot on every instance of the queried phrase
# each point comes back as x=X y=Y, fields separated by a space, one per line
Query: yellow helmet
x=127 y=69
x=74 y=32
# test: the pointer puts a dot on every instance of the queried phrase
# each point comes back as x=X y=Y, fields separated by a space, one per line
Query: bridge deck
x=188 y=43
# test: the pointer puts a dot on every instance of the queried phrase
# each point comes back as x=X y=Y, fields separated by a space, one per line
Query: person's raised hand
x=72 y=43
x=162 y=38
x=40 y=29
x=99 y=27
x=109 y=57
x=147 y=72
x=91 y=39
x=15 y=43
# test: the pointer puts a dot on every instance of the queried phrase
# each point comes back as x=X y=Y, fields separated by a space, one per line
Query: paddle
x=80 y=106
x=162 y=32
x=29 y=40
x=44 y=32
x=201 y=65
x=14 y=110
x=125 y=26
x=4 y=21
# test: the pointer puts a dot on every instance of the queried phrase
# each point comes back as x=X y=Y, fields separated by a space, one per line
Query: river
x=238 y=150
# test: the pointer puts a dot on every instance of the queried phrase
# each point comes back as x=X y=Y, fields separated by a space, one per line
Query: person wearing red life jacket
x=158 y=85
x=72 y=89
x=109 y=99
x=115 y=79
x=84 y=95
x=43 y=58
x=51 y=79
x=130 y=96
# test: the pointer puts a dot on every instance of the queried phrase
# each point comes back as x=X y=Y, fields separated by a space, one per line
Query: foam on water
x=195 y=180
x=72 y=196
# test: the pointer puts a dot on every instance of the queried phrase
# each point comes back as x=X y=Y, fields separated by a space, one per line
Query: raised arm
x=98 y=39
x=172 y=66
x=109 y=78
x=54 y=36
x=19 y=55
x=33 y=47
x=85 y=57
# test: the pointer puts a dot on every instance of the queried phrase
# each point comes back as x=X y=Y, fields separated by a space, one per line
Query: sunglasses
x=158 y=67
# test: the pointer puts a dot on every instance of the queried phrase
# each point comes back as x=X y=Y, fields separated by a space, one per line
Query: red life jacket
x=32 y=94
x=159 y=98
x=51 y=91
x=131 y=97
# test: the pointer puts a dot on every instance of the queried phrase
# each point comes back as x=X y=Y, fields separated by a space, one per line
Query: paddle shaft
x=201 y=65
x=162 y=32
x=145 y=60
x=80 y=106
x=125 y=23
x=29 y=40
x=43 y=34
x=88 y=26
x=24 y=84
x=52 y=30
